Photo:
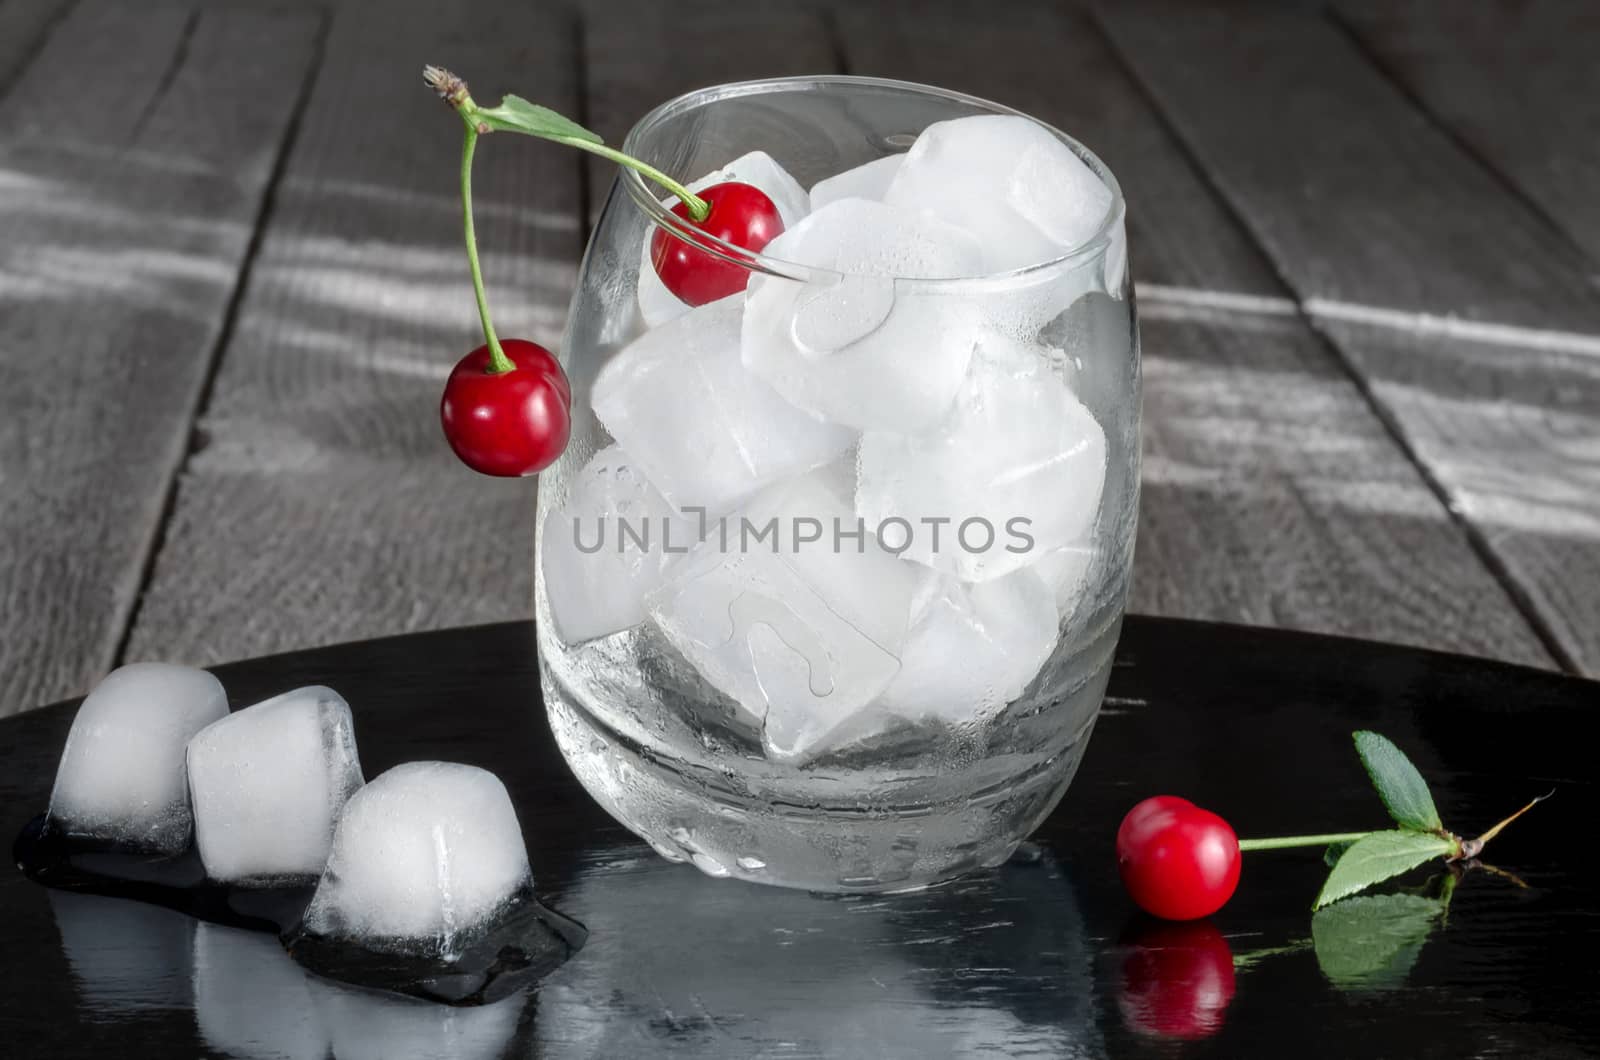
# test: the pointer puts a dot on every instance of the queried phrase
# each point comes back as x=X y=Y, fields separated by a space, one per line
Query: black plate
x=1035 y=958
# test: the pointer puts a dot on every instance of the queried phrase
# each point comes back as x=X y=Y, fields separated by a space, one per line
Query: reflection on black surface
x=679 y=965
x=1371 y=942
x=251 y=1000
x=125 y=955
x=1176 y=979
x=369 y=1026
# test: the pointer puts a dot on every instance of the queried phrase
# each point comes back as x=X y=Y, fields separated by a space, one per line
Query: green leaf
x=1335 y=851
x=1371 y=942
x=1378 y=857
x=1399 y=785
x=515 y=114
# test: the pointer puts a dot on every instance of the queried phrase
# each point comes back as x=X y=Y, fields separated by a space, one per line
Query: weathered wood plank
x=1356 y=194
x=24 y=27
x=1470 y=320
x=96 y=75
x=119 y=249
x=324 y=504
x=639 y=54
x=1272 y=494
x=1518 y=83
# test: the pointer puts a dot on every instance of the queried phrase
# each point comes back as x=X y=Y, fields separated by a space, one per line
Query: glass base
x=840 y=847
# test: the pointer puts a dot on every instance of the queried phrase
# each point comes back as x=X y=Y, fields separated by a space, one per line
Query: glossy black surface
x=1040 y=957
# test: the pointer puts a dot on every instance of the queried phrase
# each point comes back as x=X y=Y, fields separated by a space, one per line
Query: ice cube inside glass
x=909 y=474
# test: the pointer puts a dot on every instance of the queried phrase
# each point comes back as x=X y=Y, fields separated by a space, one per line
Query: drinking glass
x=756 y=651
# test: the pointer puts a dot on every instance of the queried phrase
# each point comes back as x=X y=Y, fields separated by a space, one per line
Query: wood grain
x=122 y=230
x=1272 y=493
x=24 y=27
x=1518 y=84
x=1471 y=322
x=639 y=54
x=323 y=503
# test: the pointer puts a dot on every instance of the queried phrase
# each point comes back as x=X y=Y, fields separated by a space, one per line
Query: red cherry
x=508 y=423
x=1177 y=981
x=1178 y=862
x=741 y=214
x=1149 y=813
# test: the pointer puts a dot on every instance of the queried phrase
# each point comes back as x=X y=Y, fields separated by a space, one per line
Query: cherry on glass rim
x=741 y=215
x=511 y=423
x=1177 y=861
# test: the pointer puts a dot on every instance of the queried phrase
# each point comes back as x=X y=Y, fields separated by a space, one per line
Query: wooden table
x=1043 y=957
x=1365 y=236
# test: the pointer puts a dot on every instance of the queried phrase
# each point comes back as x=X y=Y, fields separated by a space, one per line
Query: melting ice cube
x=974 y=647
x=792 y=609
x=704 y=431
x=1009 y=181
x=867 y=181
x=858 y=343
x=608 y=546
x=122 y=779
x=657 y=304
x=269 y=782
x=424 y=857
x=1013 y=473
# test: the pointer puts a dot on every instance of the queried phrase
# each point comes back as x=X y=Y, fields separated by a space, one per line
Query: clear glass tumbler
x=832 y=572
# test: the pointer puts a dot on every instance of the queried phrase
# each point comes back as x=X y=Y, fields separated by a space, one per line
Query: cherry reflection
x=1176 y=979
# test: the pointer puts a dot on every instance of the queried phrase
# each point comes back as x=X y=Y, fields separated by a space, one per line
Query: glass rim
x=643 y=192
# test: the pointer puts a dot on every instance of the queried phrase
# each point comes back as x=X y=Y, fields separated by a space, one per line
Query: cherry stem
x=1288 y=842
x=699 y=209
x=453 y=91
x=499 y=363
x=1471 y=848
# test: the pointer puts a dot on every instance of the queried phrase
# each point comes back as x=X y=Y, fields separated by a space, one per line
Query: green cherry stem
x=499 y=363
x=699 y=209
x=1290 y=841
x=515 y=114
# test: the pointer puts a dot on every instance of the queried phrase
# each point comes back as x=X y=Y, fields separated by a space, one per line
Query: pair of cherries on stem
x=507 y=406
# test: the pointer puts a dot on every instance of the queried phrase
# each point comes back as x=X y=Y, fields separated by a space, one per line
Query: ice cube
x=792 y=609
x=867 y=181
x=608 y=546
x=1066 y=571
x=122 y=779
x=424 y=857
x=974 y=648
x=268 y=783
x=1013 y=473
x=657 y=304
x=251 y=1000
x=704 y=431
x=856 y=344
x=1009 y=181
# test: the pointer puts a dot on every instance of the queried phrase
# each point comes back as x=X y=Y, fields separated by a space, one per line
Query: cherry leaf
x=1399 y=785
x=1378 y=857
x=515 y=114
